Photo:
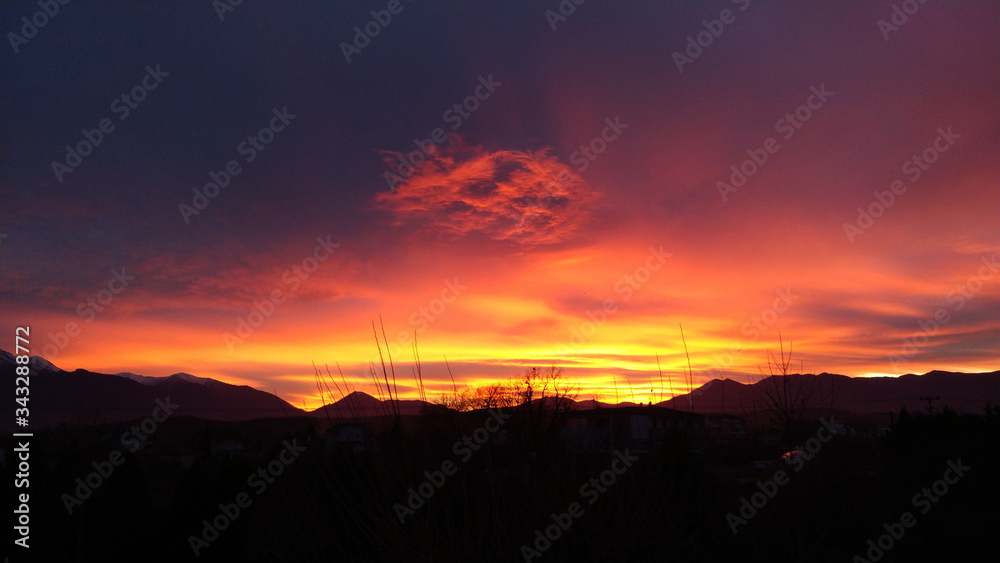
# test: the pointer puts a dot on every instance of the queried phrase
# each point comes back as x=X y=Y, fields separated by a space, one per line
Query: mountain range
x=962 y=392
x=85 y=397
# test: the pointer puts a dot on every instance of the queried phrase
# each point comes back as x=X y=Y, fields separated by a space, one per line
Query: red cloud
x=530 y=198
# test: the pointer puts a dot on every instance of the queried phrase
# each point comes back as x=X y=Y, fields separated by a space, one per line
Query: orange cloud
x=526 y=197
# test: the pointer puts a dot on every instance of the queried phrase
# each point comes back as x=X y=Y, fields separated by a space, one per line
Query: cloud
x=526 y=197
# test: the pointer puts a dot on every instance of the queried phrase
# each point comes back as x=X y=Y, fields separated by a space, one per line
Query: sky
x=241 y=192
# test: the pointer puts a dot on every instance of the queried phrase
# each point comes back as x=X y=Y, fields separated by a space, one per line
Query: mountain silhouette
x=962 y=392
x=85 y=397
x=361 y=405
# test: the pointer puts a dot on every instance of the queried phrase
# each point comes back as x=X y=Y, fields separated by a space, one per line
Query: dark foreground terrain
x=633 y=484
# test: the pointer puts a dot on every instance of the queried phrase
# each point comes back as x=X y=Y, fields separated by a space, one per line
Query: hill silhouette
x=962 y=392
x=85 y=397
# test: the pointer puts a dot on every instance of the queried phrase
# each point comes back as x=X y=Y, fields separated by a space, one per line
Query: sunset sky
x=590 y=186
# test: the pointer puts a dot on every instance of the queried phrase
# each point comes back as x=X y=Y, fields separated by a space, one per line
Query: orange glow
x=544 y=309
x=500 y=252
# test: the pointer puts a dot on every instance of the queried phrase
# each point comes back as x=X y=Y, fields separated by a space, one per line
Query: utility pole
x=930 y=400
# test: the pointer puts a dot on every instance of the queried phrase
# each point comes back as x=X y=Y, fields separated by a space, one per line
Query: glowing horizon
x=576 y=210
